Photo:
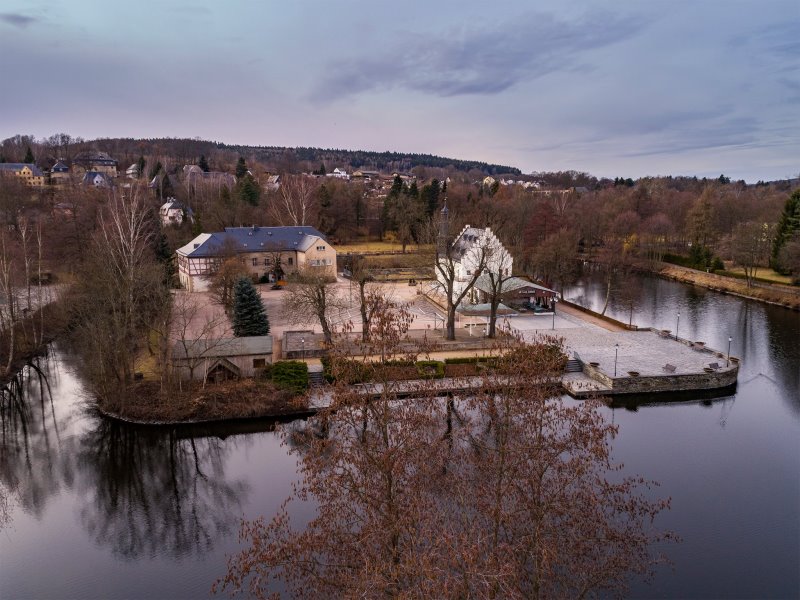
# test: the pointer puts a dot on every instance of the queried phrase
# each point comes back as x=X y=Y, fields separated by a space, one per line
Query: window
x=266 y=262
x=290 y=261
x=259 y=363
x=255 y=262
x=321 y=248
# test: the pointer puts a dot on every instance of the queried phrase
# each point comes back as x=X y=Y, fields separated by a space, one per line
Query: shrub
x=430 y=369
x=290 y=375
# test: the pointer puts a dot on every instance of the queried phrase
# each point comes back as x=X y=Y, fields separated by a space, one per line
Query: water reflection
x=29 y=437
x=144 y=492
x=150 y=493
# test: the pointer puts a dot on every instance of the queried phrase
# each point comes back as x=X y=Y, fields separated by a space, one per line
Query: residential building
x=196 y=179
x=173 y=212
x=28 y=173
x=473 y=247
x=339 y=174
x=133 y=172
x=96 y=179
x=96 y=161
x=59 y=173
x=263 y=251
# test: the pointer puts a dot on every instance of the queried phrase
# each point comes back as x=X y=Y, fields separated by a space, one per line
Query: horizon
x=683 y=89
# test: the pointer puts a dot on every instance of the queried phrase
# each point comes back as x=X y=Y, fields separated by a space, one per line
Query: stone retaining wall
x=680 y=382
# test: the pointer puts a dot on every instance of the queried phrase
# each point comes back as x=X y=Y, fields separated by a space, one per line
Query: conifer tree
x=29 y=157
x=249 y=316
x=241 y=168
x=203 y=163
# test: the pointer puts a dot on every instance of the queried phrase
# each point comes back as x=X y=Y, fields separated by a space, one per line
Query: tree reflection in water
x=29 y=438
x=151 y=492
x=146 y=491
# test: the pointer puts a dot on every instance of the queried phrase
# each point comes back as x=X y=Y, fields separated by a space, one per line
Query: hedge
x=424 y=368
x=290 y=375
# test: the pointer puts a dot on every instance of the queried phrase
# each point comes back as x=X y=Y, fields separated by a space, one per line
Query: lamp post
x=728 y=362
x=677 y=322
x=554 y=315
x=303 y=342
x=616 y=354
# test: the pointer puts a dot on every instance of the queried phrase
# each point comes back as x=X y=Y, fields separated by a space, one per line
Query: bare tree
x=515 y=497
x=311 y=296
x=295 y=200
x=750 y=247
x=450 y=271
x=496 y=278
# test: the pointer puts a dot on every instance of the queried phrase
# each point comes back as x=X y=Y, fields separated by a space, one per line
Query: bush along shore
x=31 y=337
x=278 y=391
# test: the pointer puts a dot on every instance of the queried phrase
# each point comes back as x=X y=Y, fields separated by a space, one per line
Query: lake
x=103 y=510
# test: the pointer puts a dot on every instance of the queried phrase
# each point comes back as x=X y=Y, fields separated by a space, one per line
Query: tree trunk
x=492 y=318
x=451 y=322
x=608 y=293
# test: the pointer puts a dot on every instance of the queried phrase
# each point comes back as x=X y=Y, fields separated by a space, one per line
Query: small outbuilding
x=220 y=359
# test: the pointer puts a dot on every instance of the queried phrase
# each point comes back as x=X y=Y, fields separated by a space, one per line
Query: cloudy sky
x=629 y=88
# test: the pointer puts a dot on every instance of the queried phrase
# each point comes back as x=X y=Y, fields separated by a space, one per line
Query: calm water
x=106 y=511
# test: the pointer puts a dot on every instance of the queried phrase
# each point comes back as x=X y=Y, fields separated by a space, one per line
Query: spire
x=444 y=227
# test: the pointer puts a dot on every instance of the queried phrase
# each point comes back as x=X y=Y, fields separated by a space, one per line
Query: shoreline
x=769 y=294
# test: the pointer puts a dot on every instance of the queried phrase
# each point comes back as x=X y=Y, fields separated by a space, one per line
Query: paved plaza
x=644 y=351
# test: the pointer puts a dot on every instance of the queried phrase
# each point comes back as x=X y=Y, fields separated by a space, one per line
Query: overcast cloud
x=617 y=88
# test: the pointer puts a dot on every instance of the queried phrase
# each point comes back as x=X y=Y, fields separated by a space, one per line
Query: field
x=764 y=274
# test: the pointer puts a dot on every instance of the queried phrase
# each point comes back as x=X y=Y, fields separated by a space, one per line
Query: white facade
x=468 y=252
x=171 y=212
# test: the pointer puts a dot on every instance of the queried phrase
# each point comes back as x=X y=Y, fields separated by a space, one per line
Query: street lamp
x=616 y=354
x=554 y=315
x=728 y=362
x=303 y=342
x=676 y=326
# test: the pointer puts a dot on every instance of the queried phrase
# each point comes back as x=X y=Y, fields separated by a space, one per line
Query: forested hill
x=290 y=159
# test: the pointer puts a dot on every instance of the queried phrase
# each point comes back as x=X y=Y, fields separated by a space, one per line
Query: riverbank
x=781 y=295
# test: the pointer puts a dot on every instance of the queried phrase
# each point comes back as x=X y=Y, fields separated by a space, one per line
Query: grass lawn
x=763 y=273
x=385 y=246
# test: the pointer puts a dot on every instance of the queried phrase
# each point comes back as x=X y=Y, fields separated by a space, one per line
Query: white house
x=339 y=174
x=467 y=253
x=173 y=212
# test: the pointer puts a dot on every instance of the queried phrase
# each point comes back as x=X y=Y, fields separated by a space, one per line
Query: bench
x=670 y=368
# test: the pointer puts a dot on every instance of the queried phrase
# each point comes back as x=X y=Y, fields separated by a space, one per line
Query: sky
x=625 y=88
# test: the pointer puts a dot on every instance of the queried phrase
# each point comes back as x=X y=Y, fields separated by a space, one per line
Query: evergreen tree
x=29 y=157
x=397 y=186
x=321 y=170
x=249 y=316
x=413 y=191
x=141 y=163
x=430 y=197
x=248 y=190
x=241 y=168
x=165 y=256
x=155 y=170
x=203 y=163
x=788 y=224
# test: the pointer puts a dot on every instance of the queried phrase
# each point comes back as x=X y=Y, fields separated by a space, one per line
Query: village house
x=195 y=178
x=96 y=161
x=220 y=359
x=266 y=252
x=59 y=173
x=96 y=179
x=173 y=212
x=339 y=174
x=28 y=173
x=133 y=171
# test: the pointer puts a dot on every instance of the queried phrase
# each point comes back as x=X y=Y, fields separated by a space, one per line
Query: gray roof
x=250 y=239
x=94 y=156
x=90 y=176
x=19 y=166
x=485 y=310
x=59 y=167
x=512 y=284
x=219 y=347
x=467 y=238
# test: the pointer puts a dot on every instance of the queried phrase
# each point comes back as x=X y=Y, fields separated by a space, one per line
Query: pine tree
x=241 y=168
x=203 y=164
x=248 y=190
x=788 y=224
x=249 y=317
x=141 y=163
x=29 y=157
